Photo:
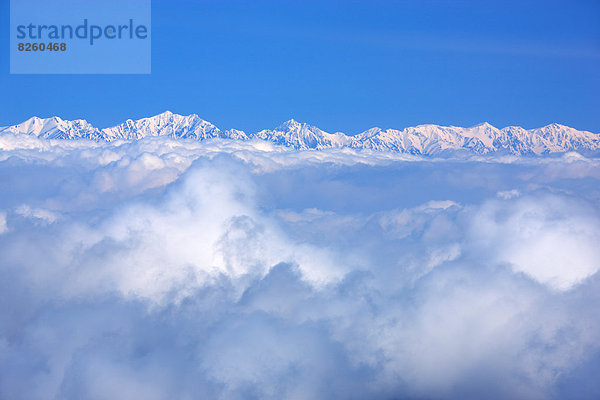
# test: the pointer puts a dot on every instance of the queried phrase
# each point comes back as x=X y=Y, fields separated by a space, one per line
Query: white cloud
x=549 y=238
x=508 y=194
x=39 y=214
x=168 y=269
x=3 y=226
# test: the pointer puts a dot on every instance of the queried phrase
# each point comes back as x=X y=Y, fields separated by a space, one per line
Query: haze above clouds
x=166 y=269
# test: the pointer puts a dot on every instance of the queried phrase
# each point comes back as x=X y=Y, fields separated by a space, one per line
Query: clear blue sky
x=342 y=65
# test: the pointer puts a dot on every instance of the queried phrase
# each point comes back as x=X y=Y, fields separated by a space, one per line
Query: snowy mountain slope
x=54 y=128
x=421 y=140
x=165 y=124
x=302 y=136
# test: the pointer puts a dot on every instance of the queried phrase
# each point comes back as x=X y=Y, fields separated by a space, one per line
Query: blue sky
x=342 y=65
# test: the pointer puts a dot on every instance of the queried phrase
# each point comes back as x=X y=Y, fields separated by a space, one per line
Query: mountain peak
x=289 y=125
x=484 y=125
x=555 y=125
x=166 y=114
x=33 y=119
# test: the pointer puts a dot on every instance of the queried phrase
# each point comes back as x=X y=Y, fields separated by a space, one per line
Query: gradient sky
x=342 y=65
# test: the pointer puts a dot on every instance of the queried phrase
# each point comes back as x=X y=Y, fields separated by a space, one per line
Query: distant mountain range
x=418 y=140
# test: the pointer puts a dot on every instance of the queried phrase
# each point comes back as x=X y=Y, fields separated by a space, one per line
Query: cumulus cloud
x=177 y=270
x=552 y=239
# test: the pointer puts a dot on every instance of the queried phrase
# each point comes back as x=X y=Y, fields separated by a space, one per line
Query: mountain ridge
x=425 y=139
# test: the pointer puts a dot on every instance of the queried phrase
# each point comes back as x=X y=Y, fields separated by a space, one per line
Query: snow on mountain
x=421 y=140
x=165 y=124
x=54 y=128
x=429 y=139
x=302 y=136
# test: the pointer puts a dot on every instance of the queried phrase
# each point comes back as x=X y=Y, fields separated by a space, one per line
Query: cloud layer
x=163 y=269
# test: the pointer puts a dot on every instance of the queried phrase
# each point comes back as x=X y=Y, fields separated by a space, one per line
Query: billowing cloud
x=161 y=269
x=540 y=236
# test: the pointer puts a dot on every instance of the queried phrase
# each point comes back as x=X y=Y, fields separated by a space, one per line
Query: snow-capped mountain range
x=418 y=140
